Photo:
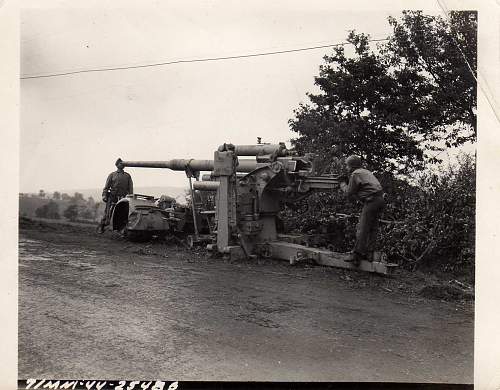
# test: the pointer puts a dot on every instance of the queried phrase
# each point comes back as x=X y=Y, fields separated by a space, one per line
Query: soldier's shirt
x=363 y=184
x=120 y=184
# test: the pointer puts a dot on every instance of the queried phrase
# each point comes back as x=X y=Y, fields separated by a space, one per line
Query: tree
x=56 y=195
x=77 y=196
x=65 y=197
x=439 y=58
x=87 y=213
x=49 y=210
x=71 y=212
x=393 y=103
x=350 y=115
x=41 y=194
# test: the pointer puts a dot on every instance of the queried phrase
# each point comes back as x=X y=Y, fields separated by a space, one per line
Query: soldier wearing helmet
x=364 y=187
x=118 y=185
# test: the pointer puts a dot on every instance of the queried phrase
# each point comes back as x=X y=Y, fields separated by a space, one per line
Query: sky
x=74 y=127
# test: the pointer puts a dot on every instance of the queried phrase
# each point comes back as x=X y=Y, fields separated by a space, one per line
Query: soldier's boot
x=100 y=228
x=355 y=258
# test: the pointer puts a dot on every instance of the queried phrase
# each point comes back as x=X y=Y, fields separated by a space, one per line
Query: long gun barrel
x=181 y=164
x=244 y=165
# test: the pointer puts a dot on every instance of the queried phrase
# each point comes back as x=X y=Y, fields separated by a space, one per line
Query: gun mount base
x=295 y=253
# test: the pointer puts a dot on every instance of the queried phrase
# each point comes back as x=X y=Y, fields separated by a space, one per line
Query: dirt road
x=99 y=307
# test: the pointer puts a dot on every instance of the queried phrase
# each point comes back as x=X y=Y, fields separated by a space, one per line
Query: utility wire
x=193 y=60
x=445 y=12
x=480 y=84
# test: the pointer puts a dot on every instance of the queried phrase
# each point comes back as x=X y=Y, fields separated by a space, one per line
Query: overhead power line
x=445 y=13
x=270 y=53
x=489 y=98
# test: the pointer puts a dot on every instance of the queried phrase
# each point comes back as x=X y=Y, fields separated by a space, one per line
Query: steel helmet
x=353 y=161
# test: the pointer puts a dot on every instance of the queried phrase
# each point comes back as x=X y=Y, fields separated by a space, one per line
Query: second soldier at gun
x=364 y=187
x=118 y=185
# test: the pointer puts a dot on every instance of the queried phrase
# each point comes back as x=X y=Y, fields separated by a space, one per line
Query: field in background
x=29 y=203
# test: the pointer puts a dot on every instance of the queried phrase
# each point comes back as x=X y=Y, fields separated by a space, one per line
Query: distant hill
x=28 y=203
x=179 y=193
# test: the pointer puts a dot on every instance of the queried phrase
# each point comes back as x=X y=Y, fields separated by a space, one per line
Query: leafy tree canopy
x=49 y=210
x=78 y=197
x=393 y=103
x=71 y=212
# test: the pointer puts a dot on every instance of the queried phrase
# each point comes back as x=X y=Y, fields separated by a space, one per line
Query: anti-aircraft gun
x=250 y=192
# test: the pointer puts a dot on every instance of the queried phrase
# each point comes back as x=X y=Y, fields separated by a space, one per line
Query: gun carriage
x=248 y=195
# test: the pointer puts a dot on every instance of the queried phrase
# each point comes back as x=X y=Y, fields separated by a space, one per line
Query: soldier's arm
x=107 y=185
x=130 y=185
x=352 y=187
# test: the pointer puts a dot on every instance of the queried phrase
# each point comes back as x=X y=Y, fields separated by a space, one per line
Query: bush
x=437 y=229
x=429 y=222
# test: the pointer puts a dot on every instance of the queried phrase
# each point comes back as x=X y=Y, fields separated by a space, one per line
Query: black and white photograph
x=250 y=192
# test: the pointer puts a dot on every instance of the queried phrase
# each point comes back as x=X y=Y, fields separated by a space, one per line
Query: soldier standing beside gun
x=365 y=187
x=118 y=185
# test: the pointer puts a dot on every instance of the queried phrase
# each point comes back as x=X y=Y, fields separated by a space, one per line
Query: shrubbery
x=437 y=220
x=428 y=223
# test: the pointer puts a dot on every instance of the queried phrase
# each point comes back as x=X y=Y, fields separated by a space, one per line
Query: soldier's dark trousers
x=106 y=218
x=367 y=229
